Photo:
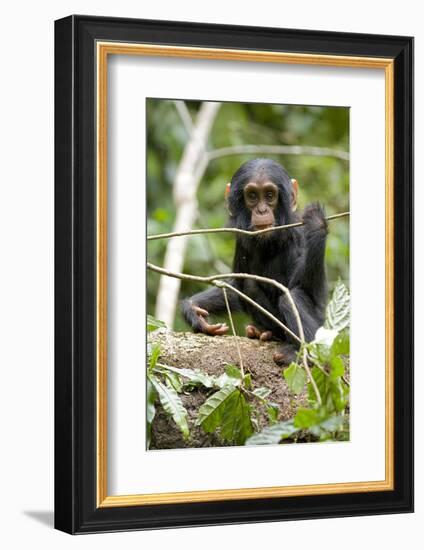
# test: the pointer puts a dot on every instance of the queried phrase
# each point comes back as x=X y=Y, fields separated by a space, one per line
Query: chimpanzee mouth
x=262 y=227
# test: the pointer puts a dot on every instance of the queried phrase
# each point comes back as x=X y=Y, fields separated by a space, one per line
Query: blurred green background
x=321 y=178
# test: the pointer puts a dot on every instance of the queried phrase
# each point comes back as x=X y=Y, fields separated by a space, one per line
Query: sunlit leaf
x=295 y=377
x=261 y=392
x=305 y=418
x=172 y=404
x=272 y=435
x=154 y=355
x=153 y=324
x=196 y=376
x=337 y=315
x=325 y=336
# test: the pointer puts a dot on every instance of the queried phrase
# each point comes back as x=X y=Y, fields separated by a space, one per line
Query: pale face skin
x=261 y=198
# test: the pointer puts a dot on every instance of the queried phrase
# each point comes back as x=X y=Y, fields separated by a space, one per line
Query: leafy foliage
x=226 y=410
x=326 y=417
x=229 y=408
x=338 y=309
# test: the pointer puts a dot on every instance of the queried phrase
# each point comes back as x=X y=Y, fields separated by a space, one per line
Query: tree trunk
x=190 y=172
x=211 y=355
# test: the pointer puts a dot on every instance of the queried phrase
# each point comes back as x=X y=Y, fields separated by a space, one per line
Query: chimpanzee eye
x=269 y=196
x=251 y=196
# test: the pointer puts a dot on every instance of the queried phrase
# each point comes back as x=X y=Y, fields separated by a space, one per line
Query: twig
x=221 y=284
x=224 y=291
x=277 y=150
x=185 y=116
x=236 y=230
x=216 y=280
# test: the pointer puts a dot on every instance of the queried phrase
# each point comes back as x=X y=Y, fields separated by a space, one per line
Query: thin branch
x=184 y=115
x=308 y=370
x=224 y=291
x=238 y=231
x=221 y=284
x=216 y=280
x=278 y=150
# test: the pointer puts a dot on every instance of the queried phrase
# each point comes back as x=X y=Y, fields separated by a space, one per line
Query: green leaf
x=337 y=315
x=272 y=410
x=225 y=380
x=233 y=372
x=153 y=324
x=320 y=380
x=228 y=410
x=272 y=435
x=305 y=418
x=336 y=368
x=247 y=381
x=154 y=356
x=325 y=337
x=196 y=376
x=261 y=392
x=339 y=396
x=210 y=413
x=341 y=344
x=174 y=380
x=172 y=404
x=150 y=409
x=295 y=377
x=236 y=423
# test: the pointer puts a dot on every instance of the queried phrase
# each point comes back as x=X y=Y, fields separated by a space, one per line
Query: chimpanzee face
x=261 y=199
x=261 y=195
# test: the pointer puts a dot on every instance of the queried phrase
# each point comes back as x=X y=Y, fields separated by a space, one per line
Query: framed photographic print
x=234 y=274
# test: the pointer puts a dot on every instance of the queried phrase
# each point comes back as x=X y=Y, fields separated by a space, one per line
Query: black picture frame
x=76 y=509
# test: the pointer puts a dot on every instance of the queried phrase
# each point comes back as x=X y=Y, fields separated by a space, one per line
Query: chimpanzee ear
x=227 y=192
x=295 y=188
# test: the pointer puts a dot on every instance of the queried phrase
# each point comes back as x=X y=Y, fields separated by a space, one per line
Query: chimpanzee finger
x=252 y=331
x=200 y=311
x=213 y=330
x=222 y=330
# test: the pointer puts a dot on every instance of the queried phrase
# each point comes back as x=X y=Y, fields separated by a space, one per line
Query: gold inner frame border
x=103 y=50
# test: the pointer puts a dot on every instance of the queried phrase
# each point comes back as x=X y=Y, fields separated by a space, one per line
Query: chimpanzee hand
x=314 y=218
x=203 y=326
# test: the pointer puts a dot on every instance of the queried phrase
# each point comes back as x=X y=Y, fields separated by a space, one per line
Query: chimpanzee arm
x=310 y=275
x=196 y=308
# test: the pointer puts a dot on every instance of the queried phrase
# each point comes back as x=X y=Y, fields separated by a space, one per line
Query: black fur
x=293 y=257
